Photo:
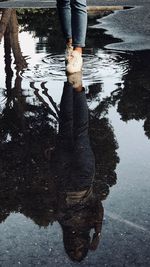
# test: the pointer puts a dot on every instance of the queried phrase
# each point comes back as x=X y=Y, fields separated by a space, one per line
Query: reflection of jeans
x=73 y=18
x=74 y=159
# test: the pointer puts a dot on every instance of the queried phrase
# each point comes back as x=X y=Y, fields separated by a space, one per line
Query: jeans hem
x=78 y=45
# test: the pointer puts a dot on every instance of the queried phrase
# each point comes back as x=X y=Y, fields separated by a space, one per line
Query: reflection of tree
x=47 y=29
x=93 y=91
x=27 y=184
x=49 y=32
x=9 y=29
x=133 y=100
x=26 y=131
x=13 y=25
x=6 y=14
x=13 y=119
x=9 y=35
x=103 y=140
x=17 y=159
x=104 y=146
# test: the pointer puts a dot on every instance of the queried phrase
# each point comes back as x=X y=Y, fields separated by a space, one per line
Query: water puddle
x=74 y=164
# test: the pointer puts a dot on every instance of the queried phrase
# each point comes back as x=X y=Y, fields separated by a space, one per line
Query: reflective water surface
x=74 y=150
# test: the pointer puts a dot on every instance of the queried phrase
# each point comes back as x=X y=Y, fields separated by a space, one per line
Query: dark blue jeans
x=74 y=159
x=73 y=19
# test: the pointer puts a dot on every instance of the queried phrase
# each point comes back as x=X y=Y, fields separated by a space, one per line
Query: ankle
x=79 y=88
x=78 y=49
x=69 y=42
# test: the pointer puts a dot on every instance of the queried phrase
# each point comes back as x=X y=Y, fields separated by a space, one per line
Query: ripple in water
x=96 y=67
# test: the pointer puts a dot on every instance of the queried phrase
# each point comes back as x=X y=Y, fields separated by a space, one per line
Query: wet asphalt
x=131 y=25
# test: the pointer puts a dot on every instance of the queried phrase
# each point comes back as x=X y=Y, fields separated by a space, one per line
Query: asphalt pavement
x=49 y=3
x=130 y=25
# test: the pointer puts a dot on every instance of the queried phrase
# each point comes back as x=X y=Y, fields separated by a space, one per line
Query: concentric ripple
x=96 y=67
x=103 y=65
x=47 y=67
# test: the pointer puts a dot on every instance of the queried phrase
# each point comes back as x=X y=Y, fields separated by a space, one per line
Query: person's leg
x=61 y=161
x=66 y=114
x=84 y=161
x=73 y=18
x=79 y=23
x=64 y=12
x=80 y=114
x=79 y=27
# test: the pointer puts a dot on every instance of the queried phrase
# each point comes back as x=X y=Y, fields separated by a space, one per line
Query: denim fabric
x=74 y=161
x=73 y=18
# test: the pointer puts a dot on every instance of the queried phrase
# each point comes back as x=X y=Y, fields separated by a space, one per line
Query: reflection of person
x=73 y=18
x=74 y=170
x=77 y=223
x=60 y=189
x=73 y=160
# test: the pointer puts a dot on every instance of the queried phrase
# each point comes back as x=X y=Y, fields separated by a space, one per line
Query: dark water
x=39 y=165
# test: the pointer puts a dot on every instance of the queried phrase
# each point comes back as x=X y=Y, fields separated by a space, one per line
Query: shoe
x=75 y=79
x=74 y=63
x=68 y=52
